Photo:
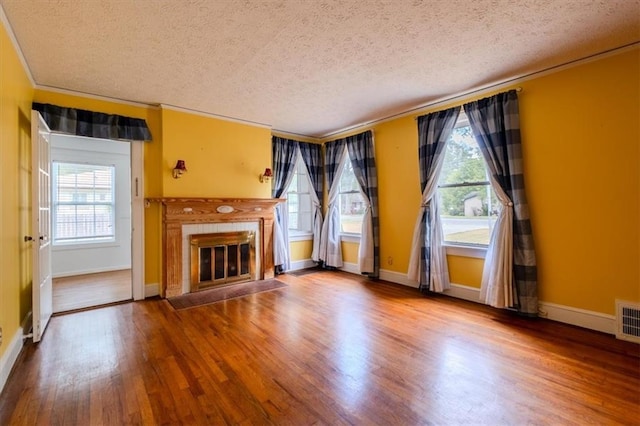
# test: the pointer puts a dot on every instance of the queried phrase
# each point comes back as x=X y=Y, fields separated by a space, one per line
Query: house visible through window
x=83 y=203
x=299 y=200
x=352 y=204
x=468 y=204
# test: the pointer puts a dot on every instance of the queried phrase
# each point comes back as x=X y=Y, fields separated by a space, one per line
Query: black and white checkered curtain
x=428 y=262
x=496 y=126
x=91 y=124
x=284 y=155
x=330 y=248
x=311 y=154
x=361 y=153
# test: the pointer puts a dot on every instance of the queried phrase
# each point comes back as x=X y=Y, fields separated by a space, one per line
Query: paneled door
x=41 y=225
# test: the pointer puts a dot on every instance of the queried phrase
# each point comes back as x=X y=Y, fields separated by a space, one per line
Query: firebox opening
x=222 y=258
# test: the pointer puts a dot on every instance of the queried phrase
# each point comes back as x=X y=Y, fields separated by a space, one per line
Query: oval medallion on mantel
x=224 y=209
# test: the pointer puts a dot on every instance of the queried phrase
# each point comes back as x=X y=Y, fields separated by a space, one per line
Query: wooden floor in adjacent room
x=88 y=290
x=331 y=348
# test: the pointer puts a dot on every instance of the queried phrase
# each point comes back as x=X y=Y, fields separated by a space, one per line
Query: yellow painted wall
x=223 y=158
x=581 y=137
x=16 y=93
x=581 y=133
x=301 y=250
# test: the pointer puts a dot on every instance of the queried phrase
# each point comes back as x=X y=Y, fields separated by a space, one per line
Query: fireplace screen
x=222 y=258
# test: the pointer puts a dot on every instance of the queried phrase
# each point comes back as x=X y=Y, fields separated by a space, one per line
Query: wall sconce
x=179 y=169
x=266 y=176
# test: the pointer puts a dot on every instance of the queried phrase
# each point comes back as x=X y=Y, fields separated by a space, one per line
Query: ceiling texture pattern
x=307 y=67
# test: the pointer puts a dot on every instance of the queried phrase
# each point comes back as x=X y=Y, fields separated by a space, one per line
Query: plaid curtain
x=93 y=124
x=284 y=153
x=330 y=249
x=361 y=153
x=428 y=262
x=312 y=156
x=496 y=127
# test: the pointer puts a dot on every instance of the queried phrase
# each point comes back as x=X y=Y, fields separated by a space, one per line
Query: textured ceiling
x=308 y=67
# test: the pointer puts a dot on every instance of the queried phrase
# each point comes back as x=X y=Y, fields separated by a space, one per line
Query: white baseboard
x=151 y=290
x=89 y=271
x=561 y=313
x=580 y=317
x=397 y=277
x=301 y=264
x=10 y=356
x=352 y=268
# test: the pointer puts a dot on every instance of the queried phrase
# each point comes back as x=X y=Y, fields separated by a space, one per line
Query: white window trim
x=300 y=235
x=478 y=252
x=350 y=237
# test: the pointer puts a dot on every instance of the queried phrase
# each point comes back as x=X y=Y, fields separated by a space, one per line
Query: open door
x=41 y=225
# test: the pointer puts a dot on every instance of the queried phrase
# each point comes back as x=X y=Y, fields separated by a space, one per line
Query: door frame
x=137 y=220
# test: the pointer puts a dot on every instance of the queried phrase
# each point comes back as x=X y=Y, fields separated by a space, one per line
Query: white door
x=41 y=225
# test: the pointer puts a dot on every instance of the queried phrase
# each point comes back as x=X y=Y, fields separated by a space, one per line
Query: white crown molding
x=16 y=46
x=485 y=89
x=96 y=97
x=216 y=116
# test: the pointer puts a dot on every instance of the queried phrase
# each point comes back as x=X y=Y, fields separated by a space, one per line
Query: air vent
x=628 y=321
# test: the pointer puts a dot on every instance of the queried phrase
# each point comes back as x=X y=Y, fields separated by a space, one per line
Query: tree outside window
x=468 y=204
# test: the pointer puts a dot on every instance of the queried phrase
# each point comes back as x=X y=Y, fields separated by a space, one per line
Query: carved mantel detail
x=180 y=211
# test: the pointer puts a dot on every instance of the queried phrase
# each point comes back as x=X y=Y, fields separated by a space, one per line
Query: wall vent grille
x=628 y=321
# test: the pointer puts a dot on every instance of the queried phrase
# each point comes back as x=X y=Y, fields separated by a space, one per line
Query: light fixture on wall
x=179 y=169
x=266 y=176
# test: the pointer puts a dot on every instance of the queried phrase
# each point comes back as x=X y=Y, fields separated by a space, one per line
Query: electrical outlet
x=0 y=336
x=389 y=260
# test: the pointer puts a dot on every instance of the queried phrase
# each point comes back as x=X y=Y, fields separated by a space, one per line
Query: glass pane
x=205 y=264
x=351 y=213
x=88 y=191
x=232 y=260
x=348 y=180
x=245 y=256
x=463 y=161
x=219 y=262
x=468 y=213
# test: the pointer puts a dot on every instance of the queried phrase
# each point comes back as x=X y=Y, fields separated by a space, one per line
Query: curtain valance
x=92 y=124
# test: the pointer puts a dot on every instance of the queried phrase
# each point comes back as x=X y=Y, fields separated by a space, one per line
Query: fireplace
x=183 y=218
x=221 y=258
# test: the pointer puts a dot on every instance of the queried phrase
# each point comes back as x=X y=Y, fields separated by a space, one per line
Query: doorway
x=91 y=189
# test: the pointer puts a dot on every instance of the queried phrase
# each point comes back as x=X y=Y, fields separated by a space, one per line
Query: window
x=352 y=205
x=83 y=203
x=299 y=200
x=469 y=206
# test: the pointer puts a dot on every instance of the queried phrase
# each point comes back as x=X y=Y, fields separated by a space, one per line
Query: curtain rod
x=517 y=89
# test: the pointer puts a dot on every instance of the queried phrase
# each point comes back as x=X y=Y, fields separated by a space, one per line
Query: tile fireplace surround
x=177 y=212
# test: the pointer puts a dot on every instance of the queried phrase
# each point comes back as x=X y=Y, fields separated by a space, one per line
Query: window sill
x=300 y=236
x=350 y=238
x=83 y=246
x=466 y=251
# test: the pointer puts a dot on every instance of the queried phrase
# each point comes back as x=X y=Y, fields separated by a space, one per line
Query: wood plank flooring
x=88 y=290
x=331 y=348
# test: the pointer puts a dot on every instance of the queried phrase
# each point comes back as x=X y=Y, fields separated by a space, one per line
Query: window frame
x=475 y=250
x=93 y=241
x=344 y=235
x=296 y=234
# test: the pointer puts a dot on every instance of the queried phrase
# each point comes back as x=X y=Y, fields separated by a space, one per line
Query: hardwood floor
x=83 y=291
x=331 y=348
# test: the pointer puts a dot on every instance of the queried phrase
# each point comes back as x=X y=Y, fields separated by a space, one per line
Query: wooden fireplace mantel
x=180 y=211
